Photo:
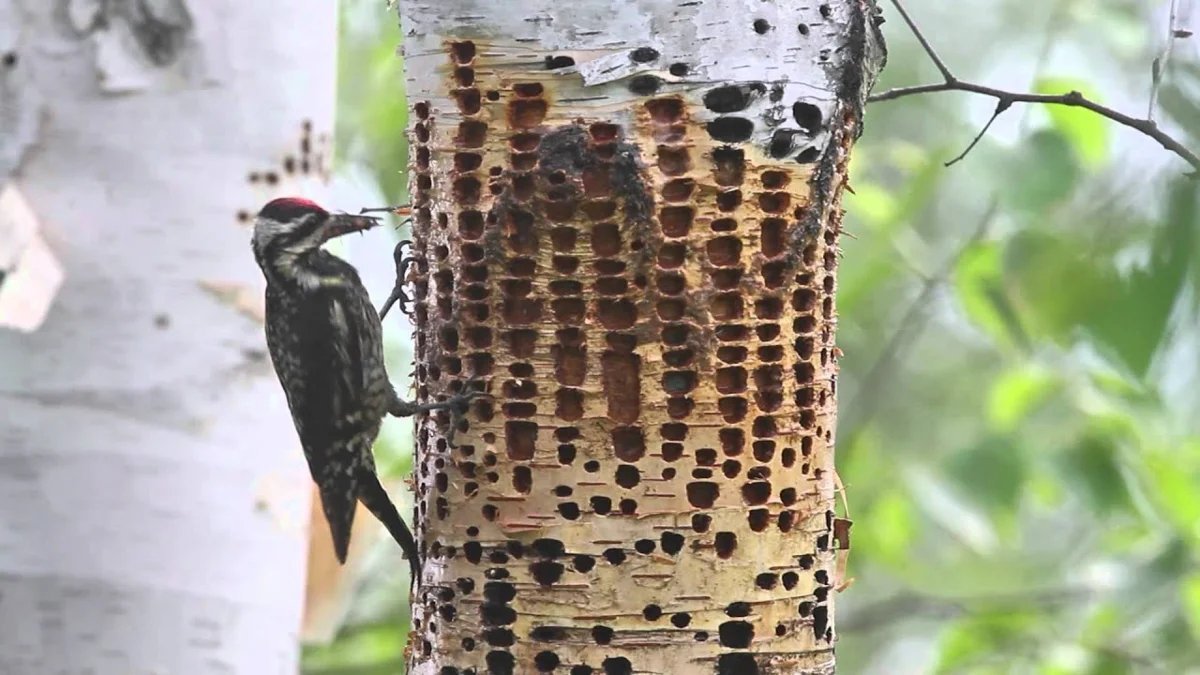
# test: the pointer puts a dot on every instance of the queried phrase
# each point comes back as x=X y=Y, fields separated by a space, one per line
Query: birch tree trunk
x=153 y=498
x=629 y=212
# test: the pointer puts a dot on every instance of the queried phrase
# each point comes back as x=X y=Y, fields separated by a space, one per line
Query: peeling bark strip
x=629 y=215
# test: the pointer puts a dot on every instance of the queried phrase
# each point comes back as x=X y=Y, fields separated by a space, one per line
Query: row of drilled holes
x=475 y=312
x=668 y=126
x=546 y=660
x=520 y=306
x=422 y=222
x=769 y=382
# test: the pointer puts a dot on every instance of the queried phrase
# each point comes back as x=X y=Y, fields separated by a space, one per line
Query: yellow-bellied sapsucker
x=326 y=342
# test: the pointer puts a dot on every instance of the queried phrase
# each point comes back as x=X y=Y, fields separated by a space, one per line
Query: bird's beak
x=344 y=223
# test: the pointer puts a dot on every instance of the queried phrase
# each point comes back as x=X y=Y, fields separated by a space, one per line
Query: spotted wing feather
x=328 y=356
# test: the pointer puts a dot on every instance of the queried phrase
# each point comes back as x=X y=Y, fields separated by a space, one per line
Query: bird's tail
x=339 y=490
x=375 y=498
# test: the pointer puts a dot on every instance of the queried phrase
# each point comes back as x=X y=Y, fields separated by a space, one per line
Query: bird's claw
x=470 y=391
x=459 y=404
x=400 y=296
x=398 y=252
x=403 y=264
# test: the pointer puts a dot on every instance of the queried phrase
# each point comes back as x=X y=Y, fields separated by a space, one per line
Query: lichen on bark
x=628 y=220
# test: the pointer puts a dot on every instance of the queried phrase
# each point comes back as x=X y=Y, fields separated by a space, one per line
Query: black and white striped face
x=291 y=226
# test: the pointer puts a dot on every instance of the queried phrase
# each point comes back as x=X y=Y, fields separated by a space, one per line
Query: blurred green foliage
x=1020 y=391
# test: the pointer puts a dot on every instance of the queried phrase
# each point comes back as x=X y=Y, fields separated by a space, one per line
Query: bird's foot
x=457 y=402
x=462 y=402
x=456 y=406
x=403 y=264
x=398 y=295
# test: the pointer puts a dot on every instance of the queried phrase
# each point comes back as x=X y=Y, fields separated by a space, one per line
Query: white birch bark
x=629 y=211
x=153 y=498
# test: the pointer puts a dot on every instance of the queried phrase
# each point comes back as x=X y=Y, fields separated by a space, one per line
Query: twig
x=1159 y=66
x=1001 y=105
x=1072 y=98
x=947 y=76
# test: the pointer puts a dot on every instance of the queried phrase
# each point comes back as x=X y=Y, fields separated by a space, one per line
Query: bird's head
x=288 y=227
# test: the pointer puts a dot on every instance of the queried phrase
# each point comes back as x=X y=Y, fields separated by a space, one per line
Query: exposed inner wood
x=648 y=294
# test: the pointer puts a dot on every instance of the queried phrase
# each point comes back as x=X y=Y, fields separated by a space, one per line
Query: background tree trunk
x=153 y=500
x=629 y=212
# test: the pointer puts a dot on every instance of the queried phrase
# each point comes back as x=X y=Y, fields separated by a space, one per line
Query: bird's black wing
x=326 y=386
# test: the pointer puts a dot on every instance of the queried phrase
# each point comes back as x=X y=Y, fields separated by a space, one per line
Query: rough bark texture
x=629 y=214
x=153 y=497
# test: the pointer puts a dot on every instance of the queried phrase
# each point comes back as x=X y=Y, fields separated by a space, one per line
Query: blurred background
x=1020 y=415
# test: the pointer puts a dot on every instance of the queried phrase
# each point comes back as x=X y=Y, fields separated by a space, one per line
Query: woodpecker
x=325 y=341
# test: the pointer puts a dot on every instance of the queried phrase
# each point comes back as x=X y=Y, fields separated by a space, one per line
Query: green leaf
x=1041 y=172
x=1135 y=322
x=961 y=645
x=982 y=637
x=919 y=192
x=1107 y=663
x=1173 y=479
x=1093 y=465
x=888 y=529
x=1190 y=596
x=1104 y=622
x=1017 y=392
x=1087 y=132
x=978 y=282
x=1065 y=288
x=1054 y=285
x=372 y=116
x=373 y=648
x=991 y=473
x=886 y=212
x=1117 y=384
x=871 y=202
x=1045 y=490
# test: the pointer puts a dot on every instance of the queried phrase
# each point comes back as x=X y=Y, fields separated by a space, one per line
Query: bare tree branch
x=947 y=76
x=1072 y=99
